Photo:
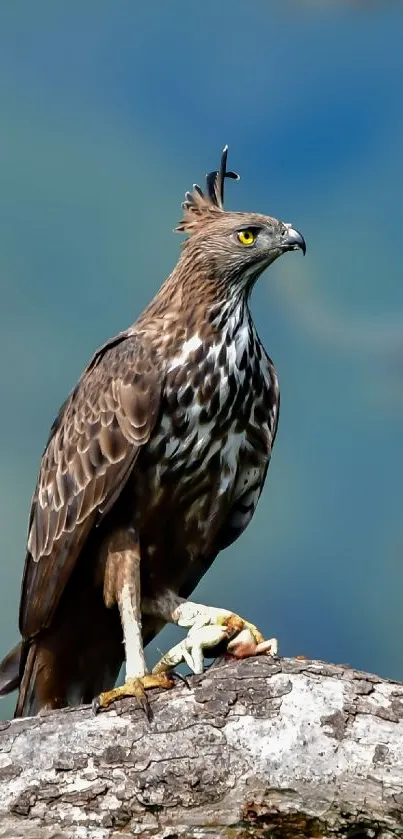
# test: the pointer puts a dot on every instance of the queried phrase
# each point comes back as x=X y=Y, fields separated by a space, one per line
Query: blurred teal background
x=108 y=112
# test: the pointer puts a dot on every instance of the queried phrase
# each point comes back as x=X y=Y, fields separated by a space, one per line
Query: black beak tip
x=299 y=241
x=293 y=240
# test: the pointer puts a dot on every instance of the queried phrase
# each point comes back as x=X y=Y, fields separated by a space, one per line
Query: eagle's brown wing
x=92 y=447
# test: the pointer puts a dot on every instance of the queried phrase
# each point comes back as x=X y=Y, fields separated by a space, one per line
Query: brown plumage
x=154 y=464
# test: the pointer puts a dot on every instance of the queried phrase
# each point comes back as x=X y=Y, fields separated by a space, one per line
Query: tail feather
x=10 y=670
x=28 y=701
x=20 y=669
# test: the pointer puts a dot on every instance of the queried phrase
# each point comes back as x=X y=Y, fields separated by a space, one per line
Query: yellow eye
x=246 y=237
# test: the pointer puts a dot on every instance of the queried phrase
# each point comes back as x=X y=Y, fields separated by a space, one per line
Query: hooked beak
x=292 y=240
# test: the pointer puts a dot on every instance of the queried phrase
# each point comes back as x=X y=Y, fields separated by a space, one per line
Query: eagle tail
x=20 y=669
x=10 y=670
x=28 y=701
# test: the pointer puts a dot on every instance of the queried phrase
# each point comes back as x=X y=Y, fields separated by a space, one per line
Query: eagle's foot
x=191 y=649
x=136 y=687
x=195 y=616
x=221 y=629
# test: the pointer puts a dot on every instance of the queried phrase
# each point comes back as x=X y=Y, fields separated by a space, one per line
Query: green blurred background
x=108 y=112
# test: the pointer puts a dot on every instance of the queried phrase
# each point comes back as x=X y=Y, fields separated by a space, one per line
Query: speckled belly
x=181 y=503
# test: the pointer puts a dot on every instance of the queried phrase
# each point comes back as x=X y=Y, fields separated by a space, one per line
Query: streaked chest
x=219 y=412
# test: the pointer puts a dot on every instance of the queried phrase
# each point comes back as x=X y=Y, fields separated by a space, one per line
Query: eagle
x=154 y=464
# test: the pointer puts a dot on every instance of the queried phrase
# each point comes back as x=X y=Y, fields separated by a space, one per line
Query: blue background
x=108 y=112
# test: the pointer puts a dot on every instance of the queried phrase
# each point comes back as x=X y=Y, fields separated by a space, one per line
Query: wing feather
x=89 y=456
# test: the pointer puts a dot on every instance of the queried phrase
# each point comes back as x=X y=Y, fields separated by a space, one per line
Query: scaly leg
x=208 y=627
x=122 y=585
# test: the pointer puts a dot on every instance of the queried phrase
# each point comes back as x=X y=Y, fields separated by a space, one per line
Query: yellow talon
x=133 y=687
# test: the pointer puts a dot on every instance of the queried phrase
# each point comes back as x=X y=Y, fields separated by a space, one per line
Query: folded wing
x=90 y=454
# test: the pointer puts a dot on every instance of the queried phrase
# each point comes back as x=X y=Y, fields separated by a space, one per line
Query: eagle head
x=237 y=246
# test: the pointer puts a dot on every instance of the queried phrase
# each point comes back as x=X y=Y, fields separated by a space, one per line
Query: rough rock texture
x=256 y=748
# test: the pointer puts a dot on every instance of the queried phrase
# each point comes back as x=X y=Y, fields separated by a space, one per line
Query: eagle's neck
x=194 y=300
